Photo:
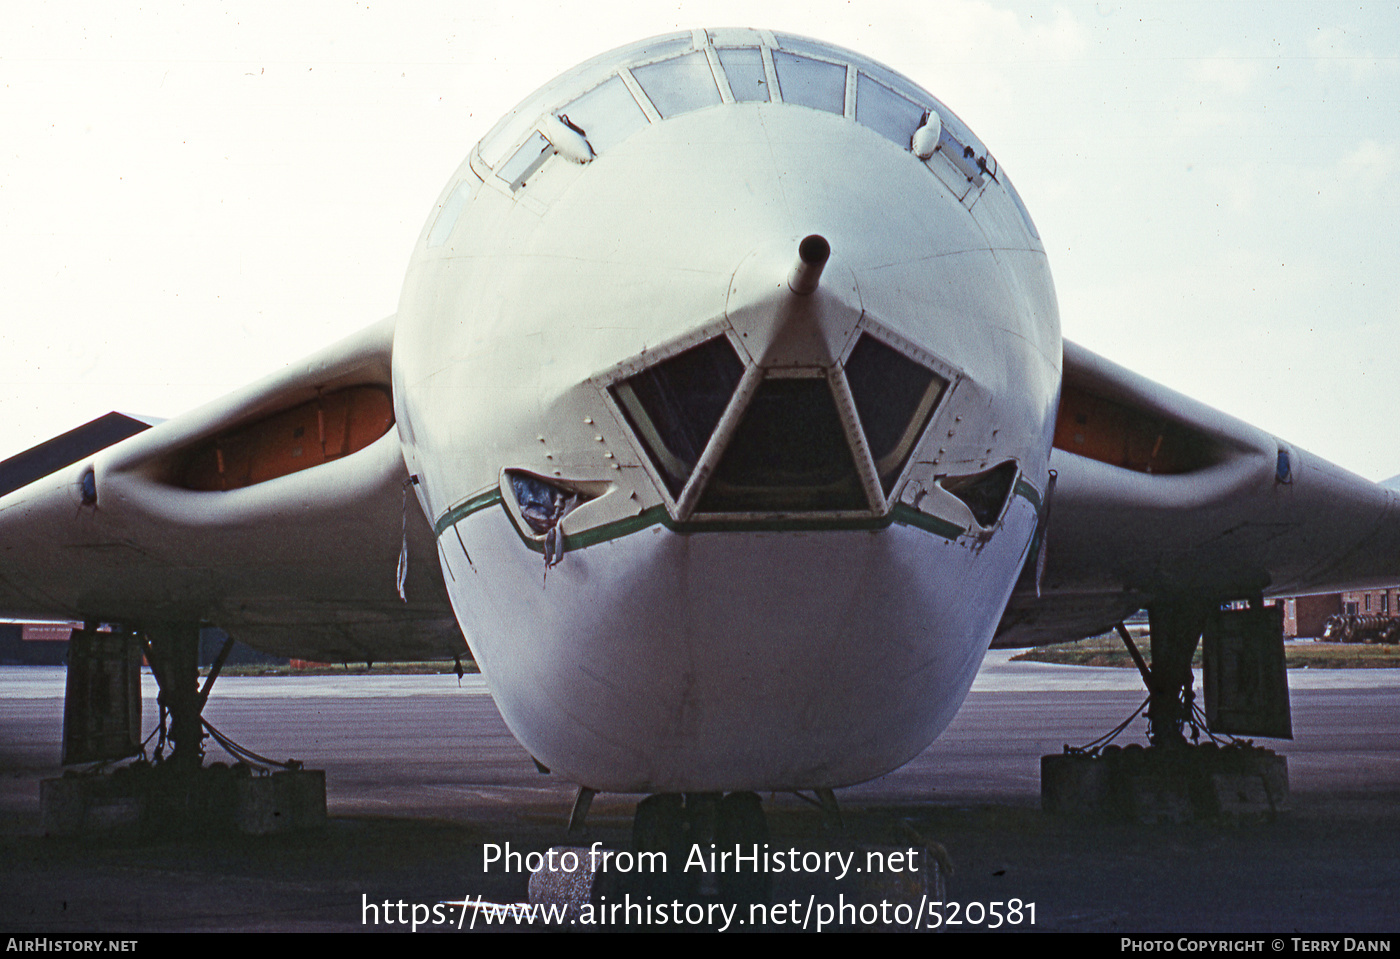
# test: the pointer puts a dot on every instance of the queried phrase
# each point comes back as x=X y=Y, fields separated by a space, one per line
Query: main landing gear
x=170 y=790
x=1173 y=779
x=1175 y=630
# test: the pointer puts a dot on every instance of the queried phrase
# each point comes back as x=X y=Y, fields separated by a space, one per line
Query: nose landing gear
x=688 y=829
x=707 y=861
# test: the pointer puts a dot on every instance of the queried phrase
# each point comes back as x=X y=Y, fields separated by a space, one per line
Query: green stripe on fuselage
x=901 y=514
x=460 y=512
x=1028 y=493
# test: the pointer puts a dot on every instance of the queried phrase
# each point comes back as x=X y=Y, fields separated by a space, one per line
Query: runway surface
x=422 y=774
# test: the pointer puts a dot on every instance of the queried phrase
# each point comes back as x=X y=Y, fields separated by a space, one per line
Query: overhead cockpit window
x=674 y=406
x=889 y=114
x=743 y=67
x=788 y=454
x=894 y=397
x=605 y=115
x=811 y=83
x=680 y=85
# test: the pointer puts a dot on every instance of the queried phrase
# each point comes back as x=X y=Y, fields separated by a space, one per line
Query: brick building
x=1376 y=602
x=46 y=644
x=1305 y=616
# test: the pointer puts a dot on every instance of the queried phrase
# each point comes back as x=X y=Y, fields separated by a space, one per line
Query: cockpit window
x=889 y=114
x=674 y=77
x=674 y=406
x=610 y=97
x=811 y=83
x=679 y=85
x=894 y=397
x=605 y=115
x=525 y=161
x=743 y=67
x=788 y=454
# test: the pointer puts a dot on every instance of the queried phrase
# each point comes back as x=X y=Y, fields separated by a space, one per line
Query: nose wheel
x=690 y=828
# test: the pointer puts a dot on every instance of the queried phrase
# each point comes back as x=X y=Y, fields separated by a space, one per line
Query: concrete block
x=567 y=878
x=1241 y=796
x=1175 y=785
x=289 y=800
x=143 y=800
x=1075 y=785
x=1160 y=798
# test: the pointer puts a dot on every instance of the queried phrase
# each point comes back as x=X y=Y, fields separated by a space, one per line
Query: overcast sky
x=193 y=195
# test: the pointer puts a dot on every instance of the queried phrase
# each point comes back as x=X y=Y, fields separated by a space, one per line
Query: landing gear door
x=1246 y=683
x=102 y=707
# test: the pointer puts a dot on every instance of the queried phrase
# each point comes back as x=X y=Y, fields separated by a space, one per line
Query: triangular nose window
x=675 y=405
x=788 y=454
x=894 y=397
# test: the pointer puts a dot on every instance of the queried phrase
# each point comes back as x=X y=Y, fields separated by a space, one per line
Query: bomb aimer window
x=788 y=454
x=895 y=397
x=674 y=406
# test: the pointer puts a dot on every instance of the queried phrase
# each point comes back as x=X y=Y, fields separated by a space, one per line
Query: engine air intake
x=310 y=434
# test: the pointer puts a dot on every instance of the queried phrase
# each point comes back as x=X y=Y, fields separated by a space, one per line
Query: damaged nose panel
x=543 y=505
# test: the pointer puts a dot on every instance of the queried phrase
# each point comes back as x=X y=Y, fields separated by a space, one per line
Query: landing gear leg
x=173 y=652
x=178 y=794
x=1176 y=629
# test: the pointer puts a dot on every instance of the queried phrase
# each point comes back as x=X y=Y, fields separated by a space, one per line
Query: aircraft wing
x=277 y=512
x=214 y=516
x=1158 y=496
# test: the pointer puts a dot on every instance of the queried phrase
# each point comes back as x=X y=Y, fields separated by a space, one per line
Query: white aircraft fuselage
x=714 y=513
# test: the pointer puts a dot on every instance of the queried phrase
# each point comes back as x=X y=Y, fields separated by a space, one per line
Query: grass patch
x=1108 y=650
x=353 y=669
